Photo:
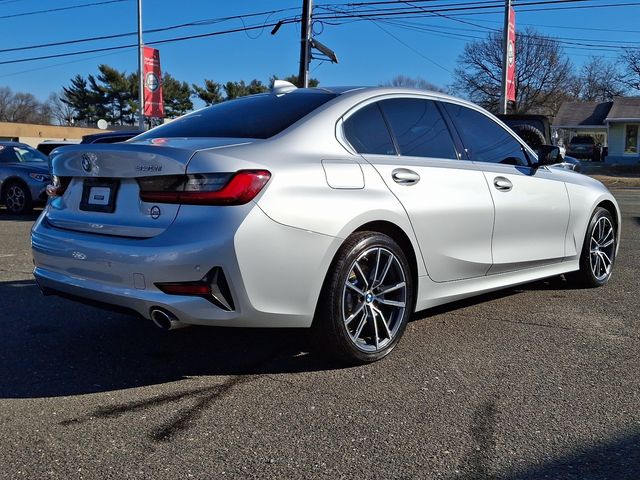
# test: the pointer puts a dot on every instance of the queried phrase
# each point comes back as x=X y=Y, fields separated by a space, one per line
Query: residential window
x=631 y=140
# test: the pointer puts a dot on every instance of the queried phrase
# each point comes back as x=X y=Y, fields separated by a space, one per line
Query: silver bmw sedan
x=342 y=210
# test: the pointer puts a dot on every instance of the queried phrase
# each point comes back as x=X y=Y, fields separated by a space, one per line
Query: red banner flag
x=511 y=57
x=153 y=102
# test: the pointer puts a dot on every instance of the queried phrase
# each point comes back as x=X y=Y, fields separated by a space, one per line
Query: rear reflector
x=213 y=287
x=204 y=189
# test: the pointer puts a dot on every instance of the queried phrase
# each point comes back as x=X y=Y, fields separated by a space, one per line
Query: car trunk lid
x=102 y=194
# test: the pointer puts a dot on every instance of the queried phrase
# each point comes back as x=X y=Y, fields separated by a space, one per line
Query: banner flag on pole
x=153 y=101
x=511 y=57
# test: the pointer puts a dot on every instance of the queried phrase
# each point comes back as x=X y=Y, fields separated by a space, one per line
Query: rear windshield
x=255 y=116
x=584 y=140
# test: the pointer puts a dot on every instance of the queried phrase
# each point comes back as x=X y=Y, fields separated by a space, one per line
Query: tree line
x=545 y=78
x=545 y=75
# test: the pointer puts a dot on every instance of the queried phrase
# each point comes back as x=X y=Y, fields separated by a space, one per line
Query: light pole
x=140 y=69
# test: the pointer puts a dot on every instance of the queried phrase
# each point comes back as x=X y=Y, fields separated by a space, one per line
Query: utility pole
x=305 y=43
x=140 y=69
x=505 y=57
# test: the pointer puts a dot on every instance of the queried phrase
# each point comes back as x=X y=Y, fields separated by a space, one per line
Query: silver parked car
x=24 y=175
x=344 y=210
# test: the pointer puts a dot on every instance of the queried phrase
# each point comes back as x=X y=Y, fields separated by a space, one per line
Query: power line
x=195 y=23
x=60 y=9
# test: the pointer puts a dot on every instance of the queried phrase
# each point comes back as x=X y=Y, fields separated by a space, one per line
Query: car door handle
x=404 y=176
x=502 y=184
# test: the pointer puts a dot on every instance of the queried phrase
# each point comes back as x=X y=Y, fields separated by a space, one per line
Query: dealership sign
x=511 y=57
x=153 y=102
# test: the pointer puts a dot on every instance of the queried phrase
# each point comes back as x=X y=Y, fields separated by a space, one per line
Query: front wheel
x=598 y=252
x=366 y=301
x=17 y=199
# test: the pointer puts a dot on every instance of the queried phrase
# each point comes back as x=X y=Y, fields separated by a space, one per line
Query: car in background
x=24 y=175
x=535 y=130
x=341 y=210
x=48 y=146
x=585 y=146
x=110 y=137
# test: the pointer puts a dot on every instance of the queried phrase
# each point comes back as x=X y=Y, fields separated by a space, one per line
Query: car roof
x=14 y=144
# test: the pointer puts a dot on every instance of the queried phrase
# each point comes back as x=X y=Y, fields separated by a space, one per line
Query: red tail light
x=204 y=189
x=57 y=186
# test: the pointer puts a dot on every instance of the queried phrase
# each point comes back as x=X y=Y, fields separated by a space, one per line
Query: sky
x=369 y=52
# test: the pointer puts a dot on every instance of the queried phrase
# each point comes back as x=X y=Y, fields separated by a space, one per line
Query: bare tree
x=599 y=81
x=61 y=112
x=412 y=82
x=22 y=107
x=631 y=59
x=543 y=73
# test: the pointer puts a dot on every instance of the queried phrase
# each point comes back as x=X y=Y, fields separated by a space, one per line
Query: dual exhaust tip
x=165 y=320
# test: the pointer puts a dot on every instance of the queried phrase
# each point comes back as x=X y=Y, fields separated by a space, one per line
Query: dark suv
x=585 y=146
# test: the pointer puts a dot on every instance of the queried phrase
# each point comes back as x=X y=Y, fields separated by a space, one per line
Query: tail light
x=57 y=186
x=204 y=188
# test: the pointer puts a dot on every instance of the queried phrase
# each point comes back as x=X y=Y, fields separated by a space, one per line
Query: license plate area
x=99 y=195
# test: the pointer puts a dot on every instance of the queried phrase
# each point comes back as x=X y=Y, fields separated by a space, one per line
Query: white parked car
x=340 y=210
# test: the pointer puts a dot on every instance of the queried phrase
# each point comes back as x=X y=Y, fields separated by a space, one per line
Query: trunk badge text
x=149 y=168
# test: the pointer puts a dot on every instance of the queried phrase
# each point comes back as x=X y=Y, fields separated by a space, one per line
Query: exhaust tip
x=165 y=320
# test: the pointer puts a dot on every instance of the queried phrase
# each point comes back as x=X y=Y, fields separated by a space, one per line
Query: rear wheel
x=17 y=199
x=598 y=252
x=366 y=301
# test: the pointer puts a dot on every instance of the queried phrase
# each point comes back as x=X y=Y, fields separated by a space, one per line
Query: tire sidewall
x=335 y=289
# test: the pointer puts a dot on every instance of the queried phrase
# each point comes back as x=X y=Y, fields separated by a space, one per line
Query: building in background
x=613 y=124
x=33 y=135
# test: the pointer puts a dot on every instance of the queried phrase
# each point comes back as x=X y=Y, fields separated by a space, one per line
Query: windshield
x=255 y=116
x=21 y=154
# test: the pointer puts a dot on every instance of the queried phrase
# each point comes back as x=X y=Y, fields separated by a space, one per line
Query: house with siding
x=615 y=124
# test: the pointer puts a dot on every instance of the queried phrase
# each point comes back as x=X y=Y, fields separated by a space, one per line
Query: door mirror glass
x=548 y=155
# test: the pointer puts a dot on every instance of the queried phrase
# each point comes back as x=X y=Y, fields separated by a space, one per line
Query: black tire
x=531 y=135
x=17 y=198
x=337 y=302
x=586 y=277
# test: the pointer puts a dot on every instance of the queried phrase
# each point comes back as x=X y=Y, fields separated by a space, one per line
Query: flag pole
x=140 y=70
x=505 y=57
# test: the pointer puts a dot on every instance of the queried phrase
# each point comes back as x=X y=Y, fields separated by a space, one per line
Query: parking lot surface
x=534 y=382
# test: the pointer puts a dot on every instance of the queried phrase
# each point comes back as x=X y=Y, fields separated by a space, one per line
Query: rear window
x=583 y=140
x=255 y=116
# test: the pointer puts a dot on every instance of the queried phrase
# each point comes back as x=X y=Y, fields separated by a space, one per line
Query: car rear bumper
x=274 y=272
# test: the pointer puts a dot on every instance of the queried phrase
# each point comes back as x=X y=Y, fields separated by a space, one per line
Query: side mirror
x=548 y=155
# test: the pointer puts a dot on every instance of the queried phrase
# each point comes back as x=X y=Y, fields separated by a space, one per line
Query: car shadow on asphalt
x=28 y=217
x=53 y=347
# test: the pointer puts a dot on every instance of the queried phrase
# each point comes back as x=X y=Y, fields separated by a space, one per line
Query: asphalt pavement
x=535 y=382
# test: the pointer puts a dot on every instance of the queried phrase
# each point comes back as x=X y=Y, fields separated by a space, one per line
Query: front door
x=531 y=204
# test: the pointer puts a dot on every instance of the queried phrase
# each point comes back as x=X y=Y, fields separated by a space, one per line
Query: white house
x=614 y=124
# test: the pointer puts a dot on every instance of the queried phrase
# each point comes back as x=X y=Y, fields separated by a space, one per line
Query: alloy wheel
x=374 y=299
x=15 y=199
x=602 y=248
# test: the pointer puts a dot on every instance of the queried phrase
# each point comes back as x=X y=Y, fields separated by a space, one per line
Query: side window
x=484 y=139
x=8 y=155
x=367 y=132
x=418 y=127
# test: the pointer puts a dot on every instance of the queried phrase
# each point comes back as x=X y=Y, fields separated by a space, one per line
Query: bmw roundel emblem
x=88 y=160
x=154 y=212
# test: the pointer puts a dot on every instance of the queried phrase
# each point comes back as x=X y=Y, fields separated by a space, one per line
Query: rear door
x=531 y=204
x=446 y=199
